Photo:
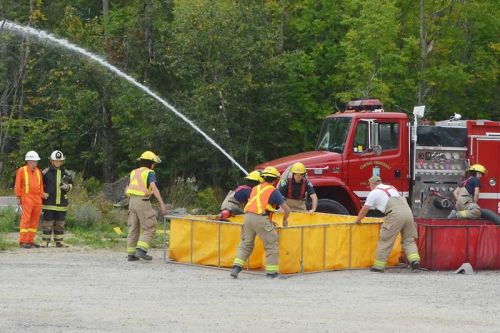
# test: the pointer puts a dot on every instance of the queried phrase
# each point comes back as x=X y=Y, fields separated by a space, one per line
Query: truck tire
x=331 y=206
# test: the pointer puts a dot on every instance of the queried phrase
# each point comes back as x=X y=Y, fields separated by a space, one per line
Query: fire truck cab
x=425 y=162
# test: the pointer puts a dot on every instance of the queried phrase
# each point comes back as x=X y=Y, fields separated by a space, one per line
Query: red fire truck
x=424 y=162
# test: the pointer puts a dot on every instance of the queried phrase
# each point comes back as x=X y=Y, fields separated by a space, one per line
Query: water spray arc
x=40 y=34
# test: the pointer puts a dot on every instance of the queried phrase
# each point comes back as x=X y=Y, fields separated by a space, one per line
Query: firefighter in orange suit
x=29 y=192
x=141 y=213
x=262 y=202
x=398 y=218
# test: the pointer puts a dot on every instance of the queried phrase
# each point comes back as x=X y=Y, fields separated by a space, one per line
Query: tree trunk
x=423 y=55
x=148 y=34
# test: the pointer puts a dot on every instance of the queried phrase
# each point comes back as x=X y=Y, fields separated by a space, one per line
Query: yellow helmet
x=270 y=171
x=478 y=167
x=255 y=175
x=150 y=156
x=298 y=168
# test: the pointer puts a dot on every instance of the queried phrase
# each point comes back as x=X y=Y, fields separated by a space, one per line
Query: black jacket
x=52 y=180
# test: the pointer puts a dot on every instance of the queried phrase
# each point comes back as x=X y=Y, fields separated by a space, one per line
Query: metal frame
x=167 y=218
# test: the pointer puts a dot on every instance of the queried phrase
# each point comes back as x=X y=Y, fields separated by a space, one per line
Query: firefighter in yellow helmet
x=467 y=195
x=263 y=201
x=236 y=199
x=297 y=188
x=141 y=213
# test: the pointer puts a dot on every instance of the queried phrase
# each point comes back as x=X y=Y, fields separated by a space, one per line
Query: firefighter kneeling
x=467 y=195
x=258 y=213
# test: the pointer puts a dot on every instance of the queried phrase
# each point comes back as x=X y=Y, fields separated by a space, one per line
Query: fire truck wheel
x=331 y=206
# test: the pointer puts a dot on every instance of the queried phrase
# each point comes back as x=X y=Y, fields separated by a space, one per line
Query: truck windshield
x=333 y=134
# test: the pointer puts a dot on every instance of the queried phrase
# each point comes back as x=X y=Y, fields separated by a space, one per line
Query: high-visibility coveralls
x=262 y=202
x=141 y=213
x=29 y=189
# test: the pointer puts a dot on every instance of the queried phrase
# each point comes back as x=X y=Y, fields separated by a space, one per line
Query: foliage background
x=258 y=76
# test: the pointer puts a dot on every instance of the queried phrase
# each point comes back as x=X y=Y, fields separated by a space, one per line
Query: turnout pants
x=141 y=215
x=398 y=219
x=53 y=222
x=466 y=207
x=258 y=225
x=30 y=217
x=296 y=205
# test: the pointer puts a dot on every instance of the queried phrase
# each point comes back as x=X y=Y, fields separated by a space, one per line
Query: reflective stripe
x=28 y=230
x=138 y=183
x=272 y=268
x=259 y=197
x=27 y=180
x=24 y=230
x=379 y=264
x=130 y=250
x=58 y=187
x=56 y=208
x=413 y=257
x=238 y=262
x=143 y=245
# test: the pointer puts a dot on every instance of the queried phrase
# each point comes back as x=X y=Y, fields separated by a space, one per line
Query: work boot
x=140 y=253
x=61 y=244
x=452 y=215
x=132 y=257
x=25 y=246
x=415 y=266
x=235 y=271
x=376 y=270
x=44 y=243
x=271 y=275
x=35 y=245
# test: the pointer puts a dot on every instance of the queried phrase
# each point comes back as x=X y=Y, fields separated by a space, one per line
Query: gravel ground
x=82 y=290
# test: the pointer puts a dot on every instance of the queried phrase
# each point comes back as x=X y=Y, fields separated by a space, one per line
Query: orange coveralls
x=29 y=189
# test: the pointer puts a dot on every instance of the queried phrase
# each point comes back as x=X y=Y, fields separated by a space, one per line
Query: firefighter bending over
x=467 y=195
x=141 y=213
x=57 y=183
x=235 y=200
x=263 y=201
x=398 y=218
x=296 y=189
x=29 y=192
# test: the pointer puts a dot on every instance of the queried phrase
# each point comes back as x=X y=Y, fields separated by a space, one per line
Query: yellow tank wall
x=326 y=240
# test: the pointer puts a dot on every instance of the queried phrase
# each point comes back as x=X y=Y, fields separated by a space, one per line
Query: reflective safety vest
x=258 y=203
x=138 y=183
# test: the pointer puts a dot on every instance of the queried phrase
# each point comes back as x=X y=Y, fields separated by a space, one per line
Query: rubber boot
x=61 y=244
x=235 y=271
x=376 y=270
x=44 y=243
x=132 y=257
x=272 y=275
x=415 y=266
x=140 y=253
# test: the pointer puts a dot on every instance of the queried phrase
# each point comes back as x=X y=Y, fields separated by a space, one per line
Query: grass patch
x=9 y=220
x=6 y=243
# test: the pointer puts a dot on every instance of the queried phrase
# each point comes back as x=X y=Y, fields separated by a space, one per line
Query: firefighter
x=263 y=201
x=467 y=195
x=141 y=213
x=57 y=182
x=29 y=191
x=398 y=218
x=235 y=200
x=296 y=189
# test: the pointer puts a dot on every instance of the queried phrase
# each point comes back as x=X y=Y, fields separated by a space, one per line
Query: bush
x=207 y=201
x=92 y=185
x=183 y=192
x=84 y=216
x=9 y=220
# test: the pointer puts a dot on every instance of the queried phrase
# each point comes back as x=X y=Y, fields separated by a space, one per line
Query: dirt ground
x=85 y=290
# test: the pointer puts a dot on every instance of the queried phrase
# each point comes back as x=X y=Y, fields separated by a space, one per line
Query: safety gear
x=235 y=271
x=32 y=156
x=140 y=253
x=415 y=266
x=224 y=214
x=298 y=168
x=271 y=172
x=478 y=167
x=258 y=203
x=272 y=275
x=376 y=270
x=44 y=244
x=57 y=183
x=149 y=156
x=57 y=155
x=138 y=183
x=25 y=245
x=61 y=244
x=255 y=175
x=132 y=257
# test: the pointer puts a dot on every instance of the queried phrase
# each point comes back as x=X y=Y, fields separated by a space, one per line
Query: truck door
x=486 y=151
x=391 y=164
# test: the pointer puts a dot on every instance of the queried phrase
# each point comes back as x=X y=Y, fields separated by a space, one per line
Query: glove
x=65 y=187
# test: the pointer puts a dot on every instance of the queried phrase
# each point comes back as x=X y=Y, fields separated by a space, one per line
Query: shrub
x=207 y=201
x=9 y=220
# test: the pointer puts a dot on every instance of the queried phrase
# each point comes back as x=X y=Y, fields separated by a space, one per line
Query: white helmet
x=57 y=155
x=32 y=156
